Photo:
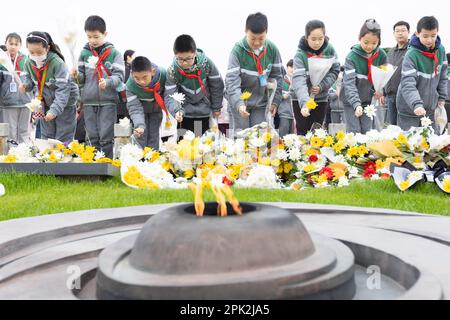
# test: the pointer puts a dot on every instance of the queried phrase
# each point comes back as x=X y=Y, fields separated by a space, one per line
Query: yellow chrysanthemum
x=404 y=185
x=311 y=104
x=310 y=152
x=316 y=142
x=402 y=139
x=322 y=178
x=352 y=152
x=267 y=137
x=246 y=95
x=52 y=158
x=446 y=184
x=116 y=163
x=338 y=146
x=288 y=167
x=362 y=150
x=265 y=161
x=10 y=159
x=276 y=163
x=189 y=173
x=380 y=164
x=328 y=141
x=309 y=167
x=135 y=178
x=296 y=186
x=340 y=135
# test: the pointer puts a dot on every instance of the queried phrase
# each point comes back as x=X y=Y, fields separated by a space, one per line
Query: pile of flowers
x=258 y=158
x=48 y=151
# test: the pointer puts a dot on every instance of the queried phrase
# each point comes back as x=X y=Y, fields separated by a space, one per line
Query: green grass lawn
x=32 y=195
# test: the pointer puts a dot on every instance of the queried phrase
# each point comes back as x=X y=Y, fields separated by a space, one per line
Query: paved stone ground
x=411 y=249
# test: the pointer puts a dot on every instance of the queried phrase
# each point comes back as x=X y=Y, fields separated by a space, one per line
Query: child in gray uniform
x=15 y=113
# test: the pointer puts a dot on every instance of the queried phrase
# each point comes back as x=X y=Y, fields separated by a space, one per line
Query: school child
x=101 y=73
x=284 y=111
x=314 y=44
x=253 y=62
x=145 y=102
x=357 y=86
x=48 y=75
x=423 y=86
x=15 y=113
x=196 y=76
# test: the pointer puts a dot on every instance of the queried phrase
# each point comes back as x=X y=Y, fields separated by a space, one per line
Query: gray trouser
x=237 y=123
x=354 y=124
x=285 y=127
x=392 y=109
x=406 y=121
x=62 y=128
x=18 y=119
x=150 y=138
x=100 y=122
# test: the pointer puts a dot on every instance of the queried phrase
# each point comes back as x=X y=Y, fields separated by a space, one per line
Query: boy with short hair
x=196 y=76
x=101 y=72
x=252 y=62
x=423 y=86
x=145 y=103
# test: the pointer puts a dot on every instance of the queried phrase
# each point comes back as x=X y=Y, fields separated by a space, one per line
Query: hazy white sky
x=150 y=27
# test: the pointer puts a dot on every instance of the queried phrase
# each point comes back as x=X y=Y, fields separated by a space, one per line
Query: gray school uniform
x=420 y=86
x=100 y=106
x=60 y=94
x=243 y=75
x=12 y=103
x=357 y=90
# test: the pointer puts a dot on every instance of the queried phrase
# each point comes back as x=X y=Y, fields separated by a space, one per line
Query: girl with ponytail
x=56 y=93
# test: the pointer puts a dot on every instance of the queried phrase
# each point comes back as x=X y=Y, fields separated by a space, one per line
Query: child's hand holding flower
x=243 y=111
x=315 y=90
x=420 y=111
x=179 y=116
x=102 y=83
x=305 y=112
x=359 y=111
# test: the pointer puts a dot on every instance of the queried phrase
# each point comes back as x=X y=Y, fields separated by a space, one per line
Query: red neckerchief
x=434 y=57
x=258 y=59
x=39 y=79
x=158 y=98
x=369 y=66
x=194 y=76
x=98 y=69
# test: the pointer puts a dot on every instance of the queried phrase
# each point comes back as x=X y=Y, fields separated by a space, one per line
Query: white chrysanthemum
x=2 y=190
x=361 y=138
x=353 y=172
x=99 y=155
x=322 y=185
x=222 y=159
x=343 y=182
x=131 y=151
x=34 y=105
x=321 y=133
x=189 y=136
x=290 y=140
x=92 y=61
x=178 y=97
x=260 y=176
x=22 y=152
x=125 y=122
x=309 y=135
x=370 y=111
x=350 y=140
x=256 y=142
x=295 y=154
x=425 y=122
x=282 y=154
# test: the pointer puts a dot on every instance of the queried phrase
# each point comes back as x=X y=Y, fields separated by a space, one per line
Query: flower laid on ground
x=446 y=184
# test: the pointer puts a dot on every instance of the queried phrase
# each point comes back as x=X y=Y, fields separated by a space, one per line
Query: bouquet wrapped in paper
x=5 y=60
x=318 y=69
x=381 y=76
